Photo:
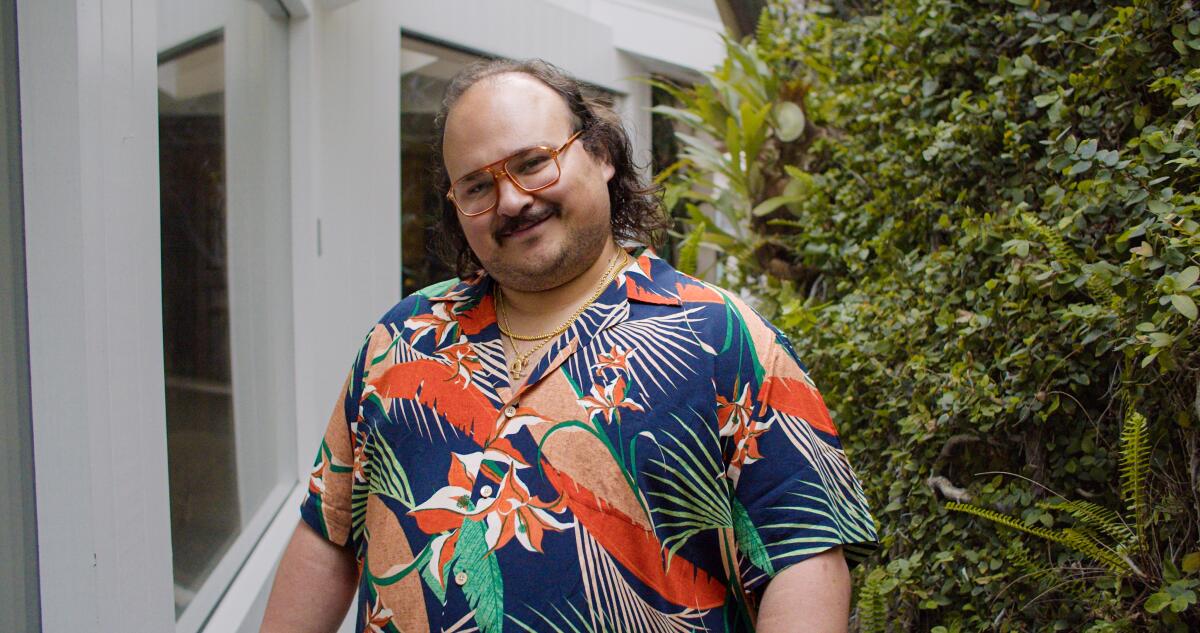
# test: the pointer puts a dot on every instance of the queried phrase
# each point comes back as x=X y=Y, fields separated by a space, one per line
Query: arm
x=815 y=591
x=313 y=586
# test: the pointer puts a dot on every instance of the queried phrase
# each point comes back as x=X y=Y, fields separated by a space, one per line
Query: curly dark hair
x=637 y=212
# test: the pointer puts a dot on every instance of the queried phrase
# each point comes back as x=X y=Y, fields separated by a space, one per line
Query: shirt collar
x=648 y=279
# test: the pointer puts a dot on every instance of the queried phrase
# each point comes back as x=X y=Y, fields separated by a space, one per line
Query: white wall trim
x=345 y=139
x=297 y=8
x=675 y=15
x=90 y=156
x=661 y=34
x=521 y=29
x=242 y=607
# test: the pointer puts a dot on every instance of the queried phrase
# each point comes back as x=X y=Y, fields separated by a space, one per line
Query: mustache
x=507 y=225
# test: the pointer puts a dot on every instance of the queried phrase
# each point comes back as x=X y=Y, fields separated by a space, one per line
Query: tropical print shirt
x=665 y=459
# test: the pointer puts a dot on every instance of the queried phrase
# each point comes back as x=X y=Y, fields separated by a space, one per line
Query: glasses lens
x=475 y=192
x=533 y=168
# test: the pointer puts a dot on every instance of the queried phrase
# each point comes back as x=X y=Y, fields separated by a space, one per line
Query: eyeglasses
x=531 y=169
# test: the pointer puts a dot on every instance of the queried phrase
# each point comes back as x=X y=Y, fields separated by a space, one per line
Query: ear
x=608 y=170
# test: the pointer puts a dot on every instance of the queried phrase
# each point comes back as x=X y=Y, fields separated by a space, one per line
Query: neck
x=547 y=305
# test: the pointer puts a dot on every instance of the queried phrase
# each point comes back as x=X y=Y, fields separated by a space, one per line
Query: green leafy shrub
x=978 y=222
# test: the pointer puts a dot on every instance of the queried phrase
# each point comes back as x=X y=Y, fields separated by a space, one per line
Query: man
x=576 y=436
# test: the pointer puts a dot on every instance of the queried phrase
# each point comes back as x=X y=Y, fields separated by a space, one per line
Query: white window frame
x=259 y=277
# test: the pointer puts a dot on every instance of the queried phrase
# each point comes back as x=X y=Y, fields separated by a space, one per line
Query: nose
x=511 y=200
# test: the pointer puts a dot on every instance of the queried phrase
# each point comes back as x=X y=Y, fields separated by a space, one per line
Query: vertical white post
x=90 y=149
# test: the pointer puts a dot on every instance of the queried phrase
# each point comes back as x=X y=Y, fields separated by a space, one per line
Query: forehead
x=501 y=115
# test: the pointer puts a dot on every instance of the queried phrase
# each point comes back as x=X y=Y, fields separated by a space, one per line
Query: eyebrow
x=509 y=155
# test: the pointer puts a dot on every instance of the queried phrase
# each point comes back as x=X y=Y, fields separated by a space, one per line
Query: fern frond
x=1053 y=240
x=1071 y=538
x=1065 y=255
x=872 y=612
x=1094 y=549
x=1007 y=521
x=766 y=28
x=1097 y=518
x=1020 y=559
x=689 y=250
x=1135 y=463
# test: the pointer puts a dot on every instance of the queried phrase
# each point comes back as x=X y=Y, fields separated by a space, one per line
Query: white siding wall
x=345 y=179
x=88 y=90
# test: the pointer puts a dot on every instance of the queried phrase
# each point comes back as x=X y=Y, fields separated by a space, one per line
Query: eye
x=532 y=162
x=474 y=187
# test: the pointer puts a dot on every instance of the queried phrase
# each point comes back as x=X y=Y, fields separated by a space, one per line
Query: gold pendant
x=515 y=368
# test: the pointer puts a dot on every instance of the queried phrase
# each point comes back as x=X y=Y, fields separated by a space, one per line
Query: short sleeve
x=795 y=494
x=327 y=507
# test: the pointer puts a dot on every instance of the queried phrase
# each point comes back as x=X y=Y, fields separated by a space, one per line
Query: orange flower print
x=360 y=459
x=447 y=508
x=606 y=400
x=732 y=415
x=737 y=421
x=316 y=478
x=463 y=359
x=504 y=505
x=616 y=359
x=442 y=550
x=379 y=618
x=745 y=449
x=513 y=513
x=437 y=321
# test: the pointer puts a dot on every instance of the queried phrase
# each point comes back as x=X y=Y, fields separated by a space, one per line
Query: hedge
x=977 y=221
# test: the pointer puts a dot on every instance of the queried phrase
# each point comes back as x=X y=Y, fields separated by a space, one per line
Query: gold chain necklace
x=518 y=364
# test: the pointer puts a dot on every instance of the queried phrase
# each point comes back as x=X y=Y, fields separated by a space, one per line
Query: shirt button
x=510 y=411
x=460 y=578
x=485 y=491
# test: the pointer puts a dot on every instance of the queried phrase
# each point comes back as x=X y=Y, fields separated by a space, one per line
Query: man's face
x=530 y=241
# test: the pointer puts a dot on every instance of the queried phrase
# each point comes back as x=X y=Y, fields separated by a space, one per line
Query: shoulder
x=416 y=307
x=725 y=307
x=424 y=301
x=733 y=315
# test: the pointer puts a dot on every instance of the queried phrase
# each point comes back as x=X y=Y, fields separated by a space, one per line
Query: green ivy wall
x=977 y=220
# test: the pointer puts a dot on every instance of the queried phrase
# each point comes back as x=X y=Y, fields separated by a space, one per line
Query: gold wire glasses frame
x=479 y=191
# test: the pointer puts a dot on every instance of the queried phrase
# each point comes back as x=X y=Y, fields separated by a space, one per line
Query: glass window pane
x=425 y=70
x=205 y=514
x=19 y=602
x=226 y=286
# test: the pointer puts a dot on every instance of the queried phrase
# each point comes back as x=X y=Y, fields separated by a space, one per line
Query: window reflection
x=195 y=292
x=425 y=70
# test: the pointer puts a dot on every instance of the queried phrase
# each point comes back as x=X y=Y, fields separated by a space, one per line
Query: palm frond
x=665 y=350
x=843 y=497
x=385 y=474
x=613 y=605
x=689 y=249
x=693 y=492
